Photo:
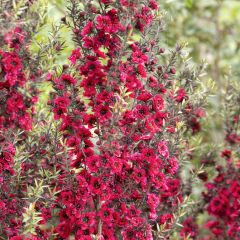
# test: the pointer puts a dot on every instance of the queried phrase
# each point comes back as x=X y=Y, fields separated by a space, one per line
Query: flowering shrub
x=18 y=94
x=119 y=104
x=220 y=198
x=105 y=158
x=222 y=201
x=17 y=99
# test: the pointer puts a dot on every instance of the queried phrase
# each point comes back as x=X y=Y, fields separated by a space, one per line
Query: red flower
x=86 y=220
x=139 y=175
x=16 y=238
x=116 y=164
x=166 y=219
x=15 y=38
x=181 y=95
x=104 y=23
x=226 y=153
x=87 y=28
x=141 y=111
x=75 y=55
x=84 y=234
x=141 y=71
x=103 y=112
x=190 y=228
x=173 y=165
x=66 y=197
x=152 y=201
x=218 y=206
x=144 y=96
x=106 y=214
x=93 y=163
x=163 y=149
x=63 y=229
x=66 y=78
x=215 y=227
x=153 y=4
x=158 y=102
x=106 y=1
x=61 y=104
x=11 y=63
x=96 y=185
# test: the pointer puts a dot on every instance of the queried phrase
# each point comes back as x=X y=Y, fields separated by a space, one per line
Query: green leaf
x=189 y=3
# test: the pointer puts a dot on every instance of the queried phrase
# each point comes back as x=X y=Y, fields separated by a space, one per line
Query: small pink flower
x=163 y=149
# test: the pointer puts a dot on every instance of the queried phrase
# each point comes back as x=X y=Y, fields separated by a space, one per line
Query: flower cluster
x=17 y=98
x=119 y=108
x=223 y=193
x=14 y=111
x=222 y=200
x=190 y=228
x=104 y=161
